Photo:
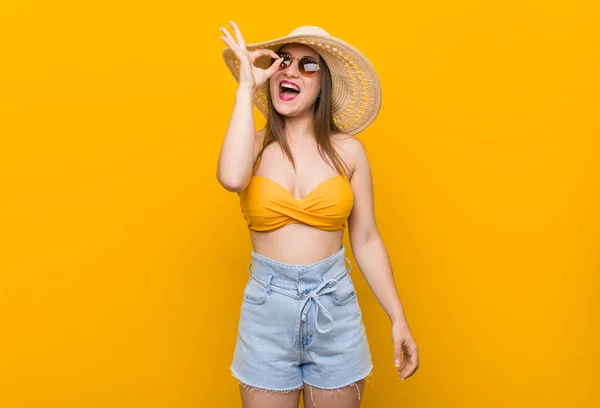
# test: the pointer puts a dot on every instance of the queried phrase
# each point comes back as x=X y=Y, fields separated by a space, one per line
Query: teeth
x=290 y=86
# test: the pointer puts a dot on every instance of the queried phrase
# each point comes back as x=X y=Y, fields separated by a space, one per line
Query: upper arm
x=361 y=223
x=236 y=179
x=259 y=136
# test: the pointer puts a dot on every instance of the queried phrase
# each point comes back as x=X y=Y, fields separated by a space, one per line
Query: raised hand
x=250 y=76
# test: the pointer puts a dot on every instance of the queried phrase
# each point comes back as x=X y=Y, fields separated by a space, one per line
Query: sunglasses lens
x=308 y=66
x=286 y=59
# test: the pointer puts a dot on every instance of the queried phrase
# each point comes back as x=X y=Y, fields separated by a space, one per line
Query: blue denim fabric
x=300 y=324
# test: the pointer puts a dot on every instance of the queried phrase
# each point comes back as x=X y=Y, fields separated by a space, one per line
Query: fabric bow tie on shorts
x=313 y=296
x=308 y=299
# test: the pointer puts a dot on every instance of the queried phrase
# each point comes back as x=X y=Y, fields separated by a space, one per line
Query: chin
x=291 y=111
x=285 y=111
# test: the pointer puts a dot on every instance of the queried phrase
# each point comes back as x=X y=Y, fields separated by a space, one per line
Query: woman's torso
x=298 y=243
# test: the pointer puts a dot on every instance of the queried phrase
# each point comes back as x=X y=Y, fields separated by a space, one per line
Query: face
x=292 y=93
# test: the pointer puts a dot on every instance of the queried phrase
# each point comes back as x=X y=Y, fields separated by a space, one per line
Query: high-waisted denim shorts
x=300 y=324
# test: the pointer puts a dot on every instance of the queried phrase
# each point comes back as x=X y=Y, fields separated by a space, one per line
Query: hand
x=404 y=344
x=250 y=76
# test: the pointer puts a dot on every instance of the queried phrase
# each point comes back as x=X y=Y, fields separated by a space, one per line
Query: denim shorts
x=300 y=324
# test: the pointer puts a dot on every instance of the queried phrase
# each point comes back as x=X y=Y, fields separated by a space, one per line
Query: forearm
x=237 y=151
x=374 y=262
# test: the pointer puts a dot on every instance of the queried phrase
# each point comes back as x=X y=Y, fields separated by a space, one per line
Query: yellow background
x=123 y=261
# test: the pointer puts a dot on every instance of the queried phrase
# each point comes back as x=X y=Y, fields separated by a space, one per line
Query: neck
x=299 y=128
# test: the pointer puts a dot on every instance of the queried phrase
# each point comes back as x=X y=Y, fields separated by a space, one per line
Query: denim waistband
x=297 y=276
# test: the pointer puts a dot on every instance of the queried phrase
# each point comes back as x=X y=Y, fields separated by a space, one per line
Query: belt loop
x=346 y=259
x=270 y=278
x=249 y=265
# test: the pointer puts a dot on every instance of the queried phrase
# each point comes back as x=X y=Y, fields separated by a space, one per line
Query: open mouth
x=288 y=90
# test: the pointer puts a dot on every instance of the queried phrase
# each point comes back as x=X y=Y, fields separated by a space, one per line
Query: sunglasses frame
x=290 y=57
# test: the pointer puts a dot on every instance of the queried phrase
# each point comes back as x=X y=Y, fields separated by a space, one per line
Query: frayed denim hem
x=287 y=391
x=253 y=388
x=342 y=387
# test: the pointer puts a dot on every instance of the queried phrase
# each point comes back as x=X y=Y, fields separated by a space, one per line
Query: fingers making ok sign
x=250 y=75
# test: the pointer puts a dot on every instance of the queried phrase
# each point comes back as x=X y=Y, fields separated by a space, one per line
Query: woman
x=300 y=181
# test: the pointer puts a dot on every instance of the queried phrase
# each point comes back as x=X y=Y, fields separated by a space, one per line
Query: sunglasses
x=307 y=66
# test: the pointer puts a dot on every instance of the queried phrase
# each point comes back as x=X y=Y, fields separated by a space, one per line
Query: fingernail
x=401 y=378
x=397 y=363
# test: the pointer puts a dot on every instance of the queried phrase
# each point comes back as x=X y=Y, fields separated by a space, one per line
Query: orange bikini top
x=267 y=205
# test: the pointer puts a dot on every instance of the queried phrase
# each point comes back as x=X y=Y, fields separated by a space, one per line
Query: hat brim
x=356 y=90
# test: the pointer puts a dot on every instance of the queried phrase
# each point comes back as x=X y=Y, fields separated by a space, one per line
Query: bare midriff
x=297 y=244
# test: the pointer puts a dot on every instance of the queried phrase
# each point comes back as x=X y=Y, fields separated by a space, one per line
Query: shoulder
x=348 y=143
x=351 y=149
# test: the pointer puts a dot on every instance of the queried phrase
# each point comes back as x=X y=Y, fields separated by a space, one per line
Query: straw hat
x=356 y=92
